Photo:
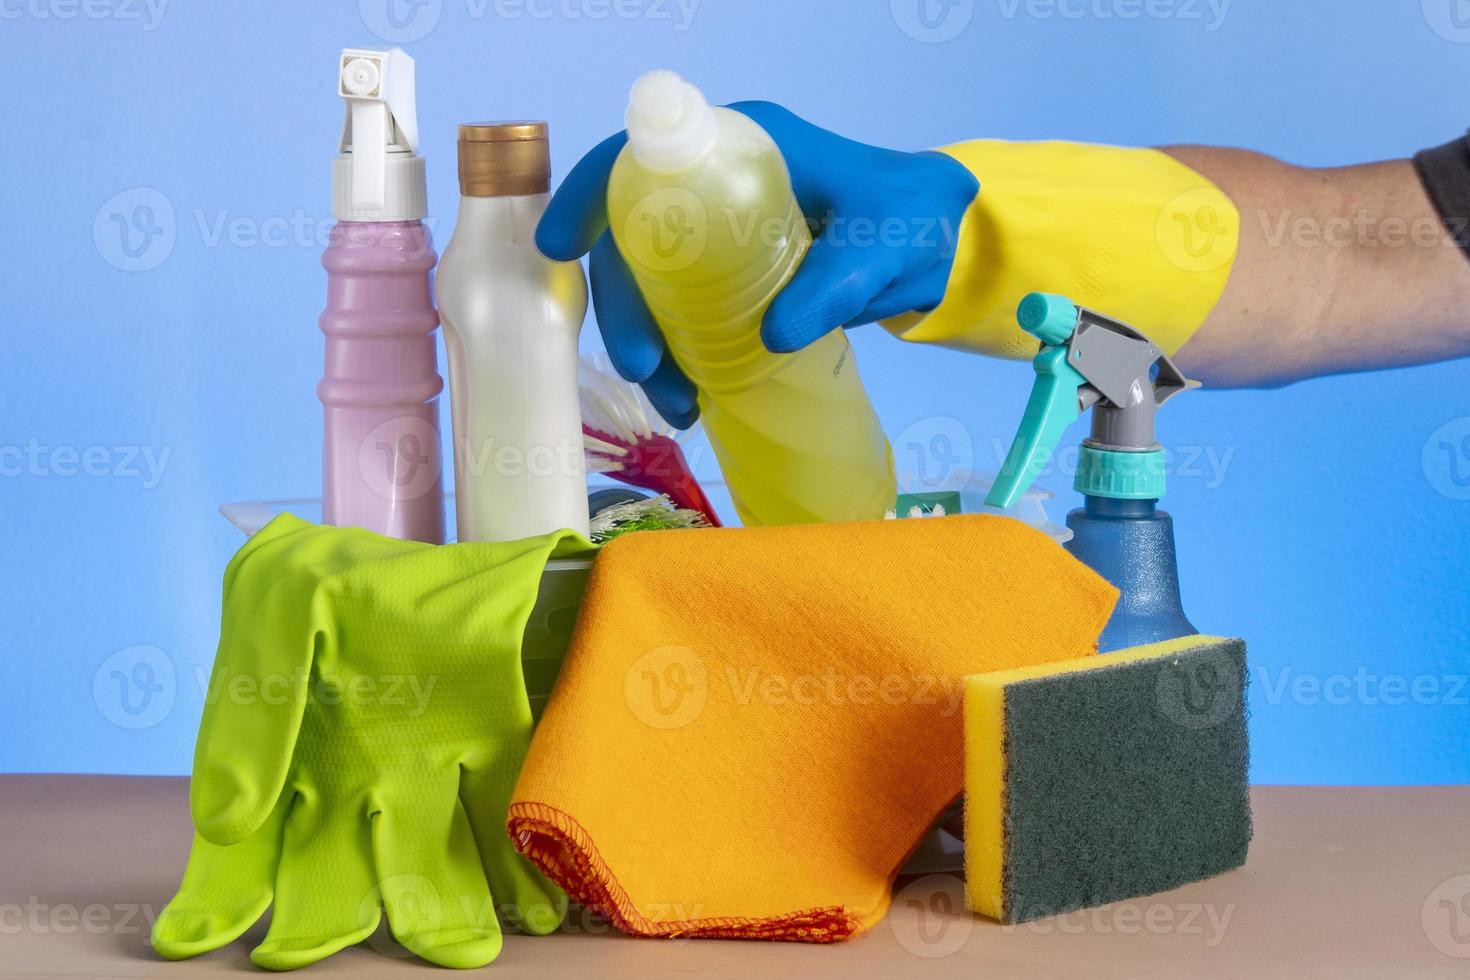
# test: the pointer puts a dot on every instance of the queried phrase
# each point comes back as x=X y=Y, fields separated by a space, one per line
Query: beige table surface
x=1345 y=882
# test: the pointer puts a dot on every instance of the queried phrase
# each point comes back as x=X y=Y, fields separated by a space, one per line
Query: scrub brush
x=654 y=514
x=625 y=438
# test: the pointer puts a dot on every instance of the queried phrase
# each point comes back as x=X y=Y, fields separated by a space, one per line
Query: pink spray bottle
x=381 y=383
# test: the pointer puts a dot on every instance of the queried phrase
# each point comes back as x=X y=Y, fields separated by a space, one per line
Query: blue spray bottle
x=1088 y=361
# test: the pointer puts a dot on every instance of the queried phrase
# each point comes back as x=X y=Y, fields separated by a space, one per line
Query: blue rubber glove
x=884 y=228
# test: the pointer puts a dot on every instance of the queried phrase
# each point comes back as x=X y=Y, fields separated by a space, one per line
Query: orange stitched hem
x=563 y=850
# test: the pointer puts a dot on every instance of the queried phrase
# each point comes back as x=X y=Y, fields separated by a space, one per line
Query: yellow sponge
x=1106 y=777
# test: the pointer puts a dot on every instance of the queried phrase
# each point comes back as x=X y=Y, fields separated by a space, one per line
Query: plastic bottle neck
x=1112 y=508
x=405 y=191
x=671 y=126
x=504 y=219
x=470 y=204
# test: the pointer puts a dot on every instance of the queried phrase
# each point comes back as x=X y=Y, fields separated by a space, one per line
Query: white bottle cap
x=378 y=176
x=670 y=125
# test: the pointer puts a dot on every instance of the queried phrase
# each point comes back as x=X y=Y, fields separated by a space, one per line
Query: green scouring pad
x=1104 y=778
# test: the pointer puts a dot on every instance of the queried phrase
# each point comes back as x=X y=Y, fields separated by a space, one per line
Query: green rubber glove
x=363 y=730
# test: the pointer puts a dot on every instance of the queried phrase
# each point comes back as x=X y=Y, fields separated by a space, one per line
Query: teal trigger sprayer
x=1088 y=361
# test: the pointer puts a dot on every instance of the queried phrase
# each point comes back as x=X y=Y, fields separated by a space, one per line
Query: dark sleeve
x=1445 y=171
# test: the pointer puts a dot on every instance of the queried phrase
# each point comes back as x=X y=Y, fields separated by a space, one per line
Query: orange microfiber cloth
x=754 y=727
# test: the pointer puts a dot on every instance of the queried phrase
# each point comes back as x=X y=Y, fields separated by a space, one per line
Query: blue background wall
x=1323 y=521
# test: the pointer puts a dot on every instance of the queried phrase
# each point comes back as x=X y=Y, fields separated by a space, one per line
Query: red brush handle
x=658 y=464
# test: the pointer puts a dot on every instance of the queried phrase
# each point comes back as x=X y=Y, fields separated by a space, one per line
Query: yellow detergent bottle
x=701 y=207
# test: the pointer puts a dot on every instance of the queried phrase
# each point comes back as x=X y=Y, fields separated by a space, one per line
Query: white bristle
x=615 y=406
x=602 y=456
x=592 y=444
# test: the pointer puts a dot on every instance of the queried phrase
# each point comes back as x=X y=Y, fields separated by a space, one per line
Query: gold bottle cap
x=498 y=159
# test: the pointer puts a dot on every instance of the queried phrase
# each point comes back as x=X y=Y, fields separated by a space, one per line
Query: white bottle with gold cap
x=511 y=319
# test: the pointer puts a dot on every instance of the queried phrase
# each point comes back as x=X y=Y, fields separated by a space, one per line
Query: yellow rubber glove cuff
x=1130 y=232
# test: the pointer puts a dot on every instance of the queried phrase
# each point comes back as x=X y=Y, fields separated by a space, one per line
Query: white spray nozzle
x=381 y=119
x=670 y=124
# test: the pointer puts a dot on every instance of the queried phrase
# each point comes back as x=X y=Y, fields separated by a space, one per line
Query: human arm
x=1252 y=271
x=1337 y=269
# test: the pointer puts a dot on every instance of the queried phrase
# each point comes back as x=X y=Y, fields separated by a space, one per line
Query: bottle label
x=842 y=356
